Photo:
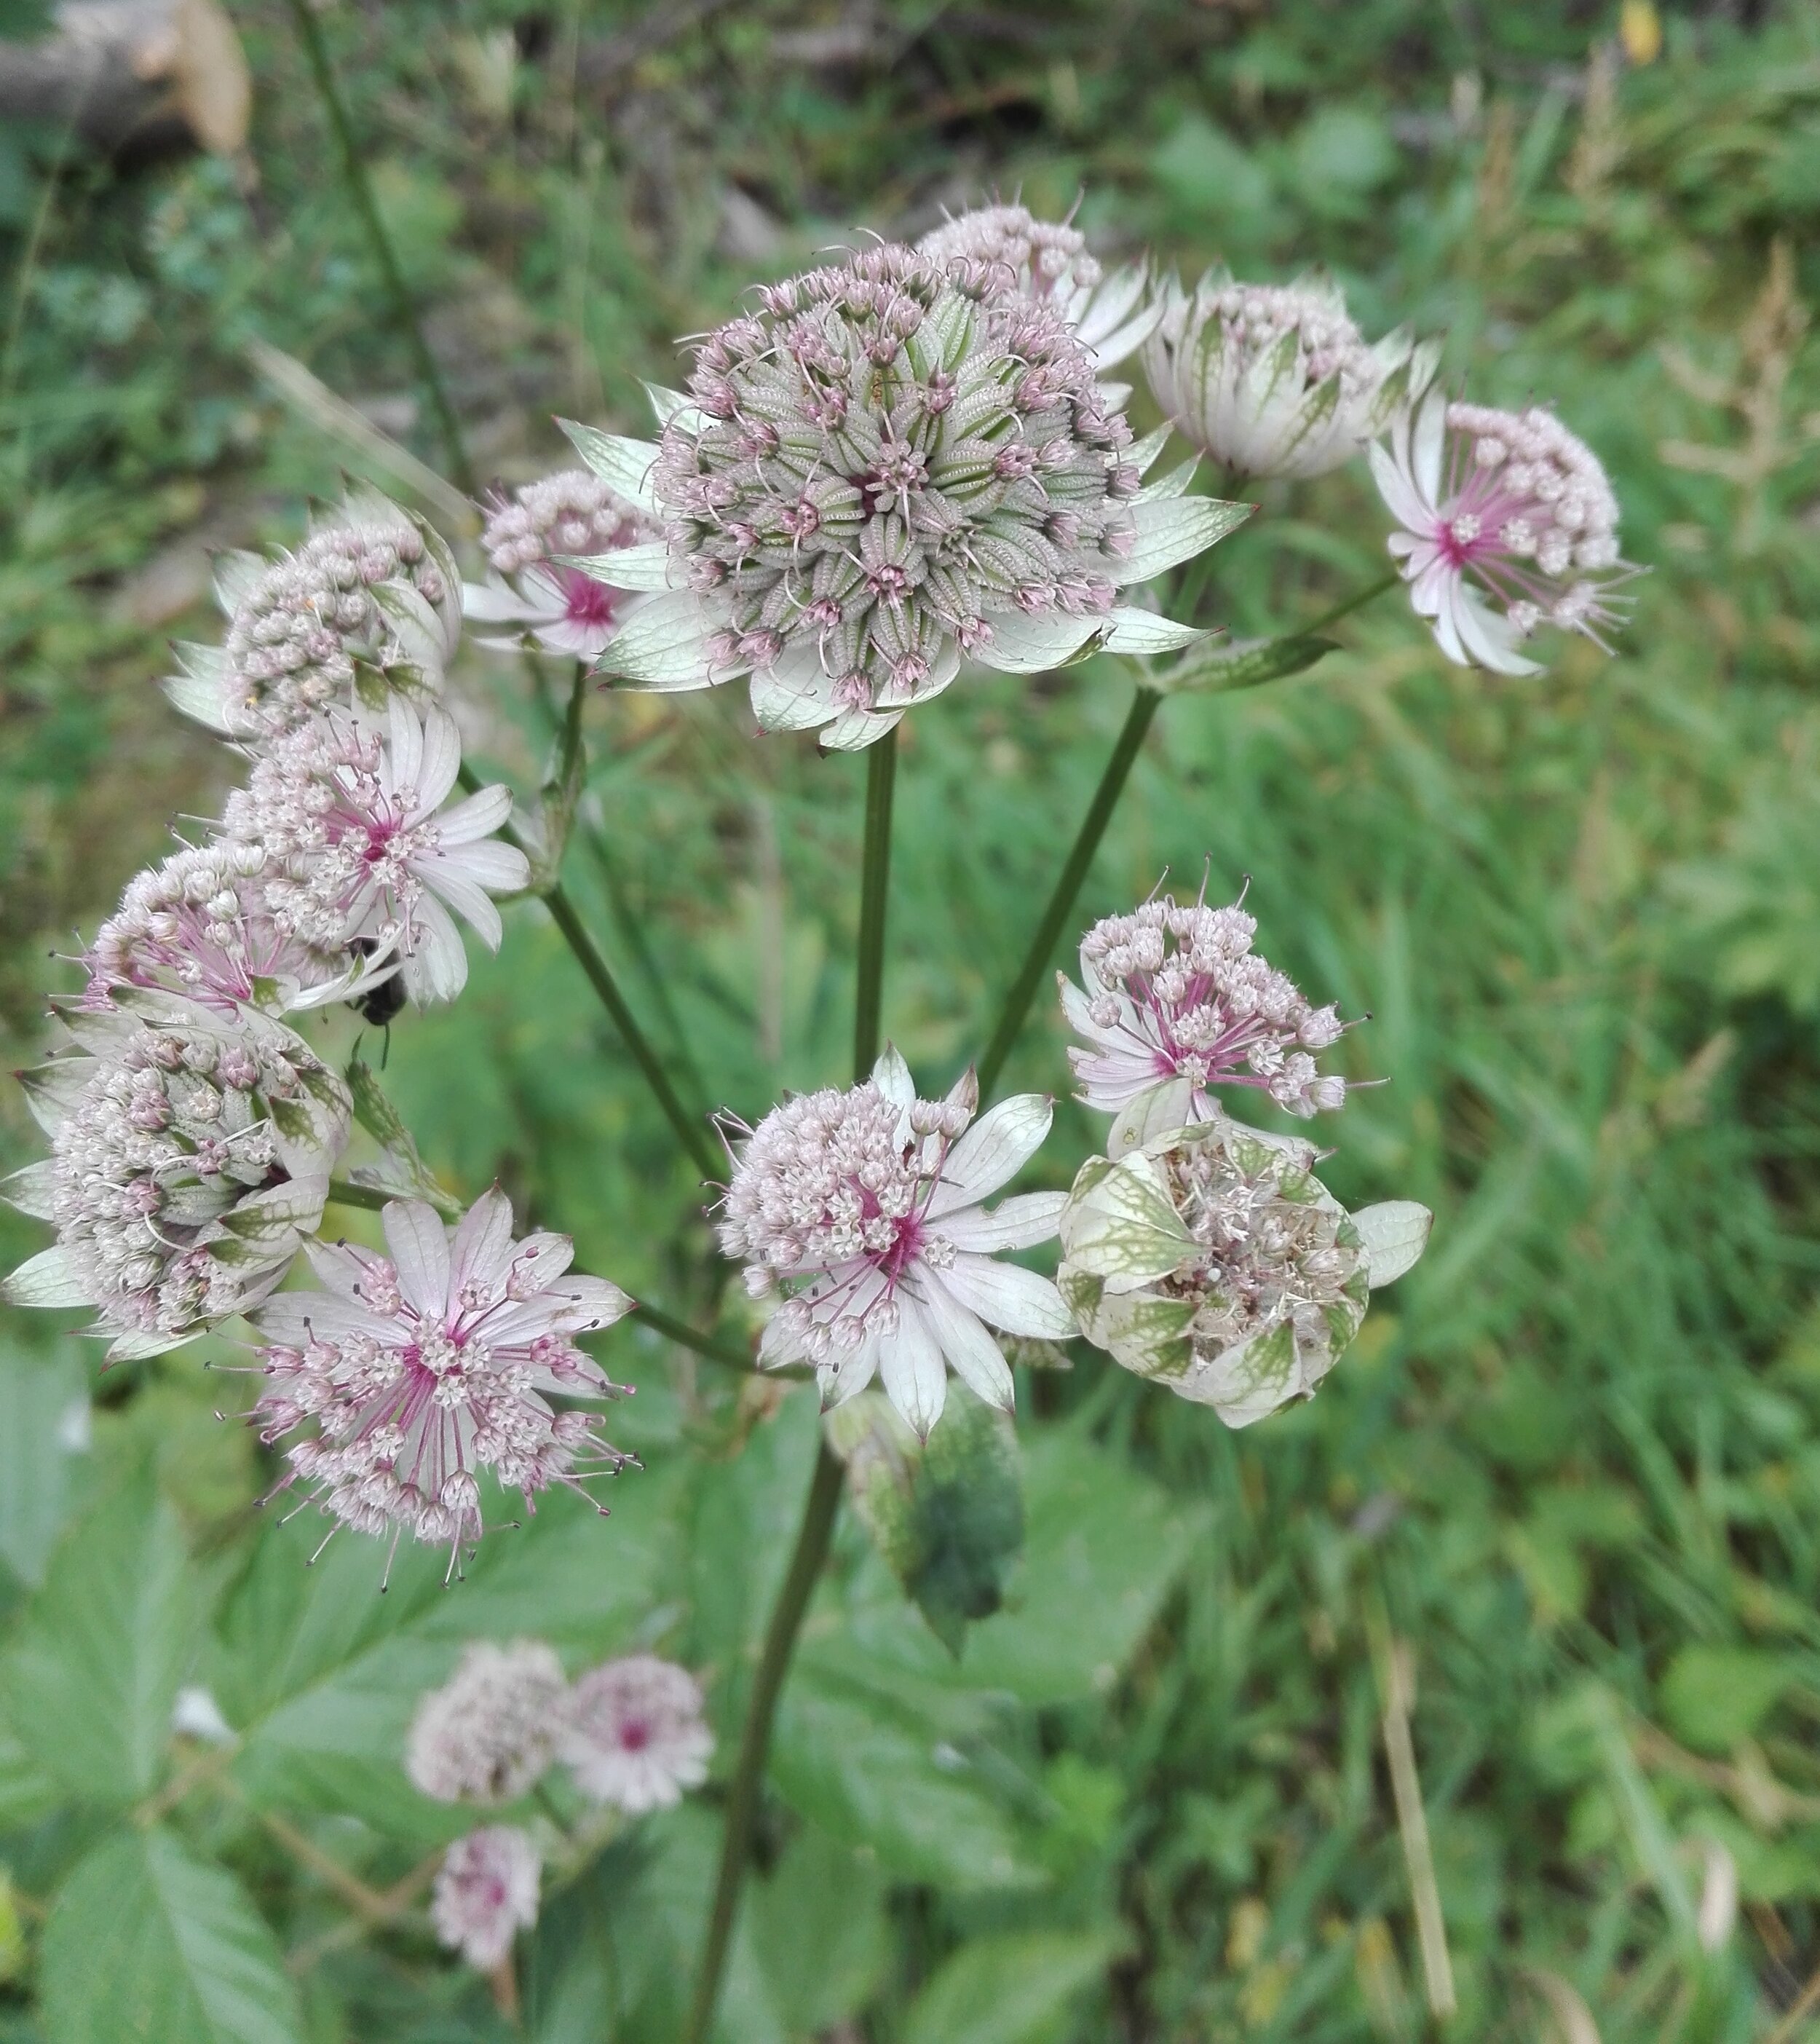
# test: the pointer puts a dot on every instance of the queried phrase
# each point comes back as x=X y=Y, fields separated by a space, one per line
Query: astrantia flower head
x=485 y=1893
x=1213 y=1260
x=1174 y=1001
x=1271 y=379
x=863 y=1207
x=532 y=542
x=199 y=925
x=365 y=607
x=356 y=843
x=1007 y=248
x=633 y=1735
x=1508 y=522
x=422 y=1370
x=190 y=1154
x=488 y=1734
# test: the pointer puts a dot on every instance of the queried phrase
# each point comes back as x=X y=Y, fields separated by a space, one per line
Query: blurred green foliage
x=1575 y=1453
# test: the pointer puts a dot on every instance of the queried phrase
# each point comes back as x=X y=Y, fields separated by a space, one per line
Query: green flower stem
x=1359 y=598
x=1144 y=706
x=693 y=1137
x=817 y=1530
x=360 y=191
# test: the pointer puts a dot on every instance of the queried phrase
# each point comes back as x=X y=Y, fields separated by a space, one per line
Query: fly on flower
x=865 y=1208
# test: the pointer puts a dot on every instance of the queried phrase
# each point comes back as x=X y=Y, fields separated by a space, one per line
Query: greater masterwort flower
x=485 y=1893
x=1508 y=522
x=488 y=1734
x=365 y=607
x=633 y=1735
x=200 y=925
x=1271 y=380
x=1174 y=1001
x=423 y=1370
x=864 y=1208
x=356 y=843
x=191 y=1153
x=1006 y=247
x=532 y=542
x=1215 y=1261
x=877 y=471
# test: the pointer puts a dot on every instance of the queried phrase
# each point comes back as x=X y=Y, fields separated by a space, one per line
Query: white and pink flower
x=864 y=1207
x=485 y=1893
x=422 y=1371
x=632 y=1734
x=533 y=542
x=1508 y=524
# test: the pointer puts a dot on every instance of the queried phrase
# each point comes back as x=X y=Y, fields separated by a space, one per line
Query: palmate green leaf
x=1009 y=1990
x=319 y=1670
x=39 y=1394
x=1103 y=1547
x=148 y=1944
x=91 y=1676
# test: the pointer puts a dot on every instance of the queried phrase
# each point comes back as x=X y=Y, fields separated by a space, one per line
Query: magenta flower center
x=586 y=601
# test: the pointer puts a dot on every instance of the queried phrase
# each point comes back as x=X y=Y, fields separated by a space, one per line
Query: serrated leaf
x=1243 y=666
x=38 y=1397
x=148 y=1941
x=95 y=1667
x=1009 y=1989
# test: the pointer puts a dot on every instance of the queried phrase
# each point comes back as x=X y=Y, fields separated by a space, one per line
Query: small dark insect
x=385 y=1004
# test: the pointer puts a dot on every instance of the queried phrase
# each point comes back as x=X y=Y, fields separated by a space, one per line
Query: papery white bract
x=1508 y=522
x=488 y=1734
x=485 y=1893
x=864 y=1208
x=357 y=845
x=1270 y=379
x=365 y=606
x=632 y=1734
x=1213 y=1260
x=191 y=1153
x=199 y=925
x=1006 y=247
x=422 y=1370
x=1173 y=999
x=530 y=541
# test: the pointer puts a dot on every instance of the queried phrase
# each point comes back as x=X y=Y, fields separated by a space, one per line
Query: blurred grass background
x=1566 y=1489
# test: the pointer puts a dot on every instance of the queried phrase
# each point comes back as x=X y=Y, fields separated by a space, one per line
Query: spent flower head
x=864 y=1208
x=1006 y=248
x=876 y=471
x=357 y=847
x=532 y=541
x=419 y=1372
x=1212 y=1259
x=488 y=1734
x=191 y=1153
x=1508 y=522
x=632 y=1734
x=485 y=1893
x=365 y=607
x=1271 y=379
x=1174 y=1001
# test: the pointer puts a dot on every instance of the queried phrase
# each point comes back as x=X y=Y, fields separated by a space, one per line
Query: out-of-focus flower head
x=1174 y=1001
x=488 y=1734
x=485 y=1893
x=1007 y=248
x=1213 y=1260
x=532 y=540
x=199 y=925
x=864 y=1208
x=356 y=844
x=191 y=1153
x=1508 y=524
x=422 y=1370
x=1272 y=379
x=632 y=1734
x=366 y=607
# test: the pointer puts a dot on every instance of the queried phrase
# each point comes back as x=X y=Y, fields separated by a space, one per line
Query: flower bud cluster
x=488 y=1734
x=533 y=540
x=572 y=512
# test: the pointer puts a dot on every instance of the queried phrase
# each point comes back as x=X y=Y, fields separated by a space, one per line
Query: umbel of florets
x=365 y=606
x=1213 y=1260
x=533 y=542
x=1270 y=379
x=488 y=1734
x=485 y=1893
x=632 y=1734
x=191 y=1153
x=881 y=469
